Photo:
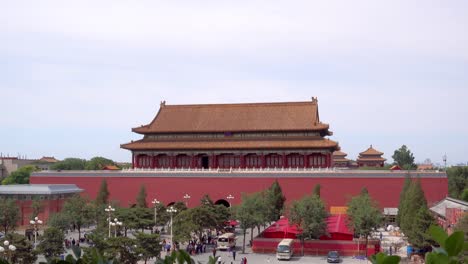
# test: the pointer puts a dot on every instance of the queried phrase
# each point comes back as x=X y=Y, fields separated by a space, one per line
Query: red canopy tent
x=336 y=227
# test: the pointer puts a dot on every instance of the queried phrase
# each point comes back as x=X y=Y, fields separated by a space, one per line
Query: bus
x=227 y=241
x=285 y=249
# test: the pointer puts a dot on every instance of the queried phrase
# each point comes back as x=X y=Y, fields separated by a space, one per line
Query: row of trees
x=96 y=163
x=21 y=176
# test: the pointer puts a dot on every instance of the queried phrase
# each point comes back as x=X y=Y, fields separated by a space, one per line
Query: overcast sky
x=76 y=77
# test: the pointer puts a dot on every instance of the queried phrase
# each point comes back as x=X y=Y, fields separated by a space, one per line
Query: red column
x=194 y=162
x=214 y=162
x=306 y=161
x=133 y=160
x=285 y=161
x=263 y=161
x=242 y=160
x=173 y=161
x=330 y=157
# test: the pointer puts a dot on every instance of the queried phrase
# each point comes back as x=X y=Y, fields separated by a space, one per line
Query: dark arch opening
x=223 y=202
x=170 y=204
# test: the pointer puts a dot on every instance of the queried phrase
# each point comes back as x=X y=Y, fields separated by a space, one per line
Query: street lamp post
x=7 y=250
x=35 y=223
x=115 y=224
x=156 y=203
x=186 y=197
x=109 y=209
x=230 y=197
x=171 y=210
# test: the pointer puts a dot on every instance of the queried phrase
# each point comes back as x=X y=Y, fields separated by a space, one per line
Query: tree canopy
x=310 y=214
x=9 y=215
x=70 y=164
x=97 y=163
x=457 y=181
x=364 y=215
x=51 y=244
x=141 y=197
x=404 y=158
x=414 y=215
x=20 y=176
x=274 y=200
x=102 y=197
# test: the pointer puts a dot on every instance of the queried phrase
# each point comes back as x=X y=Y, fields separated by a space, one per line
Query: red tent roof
x=336 y=227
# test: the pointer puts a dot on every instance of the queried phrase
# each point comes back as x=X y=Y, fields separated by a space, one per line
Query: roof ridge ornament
x=163 y=103
x=314 y=100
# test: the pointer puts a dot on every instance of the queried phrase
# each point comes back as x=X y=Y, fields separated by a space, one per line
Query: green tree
x=37 y=207
x=451 y=247
x=404 y=158
x=97 y=163
x=316 y=190
x=364 y=215
x=245 y=213
x=464 y=195
x=60 y=221
x=418 y=235
x=148 y=246
x=462 y=226
x=9 y=215
x=78 y=211
x=415 y=217
x=309 y=213
x=103 y=194
x=20 y=176
x=70 y=164
x=457 y=180
x=24 y=252
x=124 y=248
x=51 y=244
x=402 y=209
x=141 y=198
x=274 y=200
x=140 y=219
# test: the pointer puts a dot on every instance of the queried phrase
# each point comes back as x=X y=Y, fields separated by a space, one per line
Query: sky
x=78 y=75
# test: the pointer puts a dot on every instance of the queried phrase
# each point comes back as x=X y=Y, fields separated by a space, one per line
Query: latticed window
x=164 y=161
x=144 y=161
x=317 y=160
x=183 y=161
x=228 y=161
x=295 y=161
x=274 y=161
x=253 y=161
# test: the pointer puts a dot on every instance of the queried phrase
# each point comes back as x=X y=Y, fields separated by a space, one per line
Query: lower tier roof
x=231 y=144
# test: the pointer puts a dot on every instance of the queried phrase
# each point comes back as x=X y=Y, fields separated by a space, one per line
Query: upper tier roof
x=339 y=153
x=289 y=116
x=371 y=151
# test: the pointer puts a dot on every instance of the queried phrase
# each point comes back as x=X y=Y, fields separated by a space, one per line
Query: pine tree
x=141 y=198
x=402 y=204
x=103 y=194
x=415 y=217
x=316 y=190
x=274 y=201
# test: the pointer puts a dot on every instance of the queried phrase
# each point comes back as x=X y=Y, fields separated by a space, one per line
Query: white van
x=285 y=249
x=227 y=241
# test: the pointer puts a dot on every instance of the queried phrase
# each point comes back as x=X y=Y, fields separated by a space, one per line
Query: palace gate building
x=233 y=149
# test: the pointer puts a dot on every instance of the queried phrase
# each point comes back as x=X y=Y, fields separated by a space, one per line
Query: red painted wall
x=335 y=191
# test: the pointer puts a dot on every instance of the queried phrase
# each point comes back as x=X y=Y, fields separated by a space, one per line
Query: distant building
x=371 y=158
x=449 y=211
x=52 y=197
x=340 y=160
x=425 y=167
x=11 y=164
